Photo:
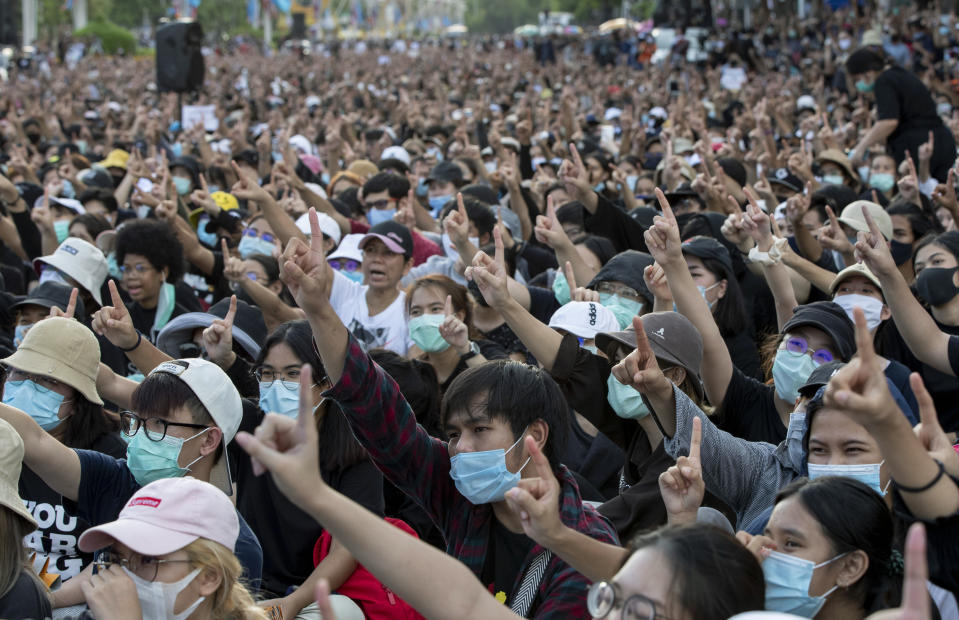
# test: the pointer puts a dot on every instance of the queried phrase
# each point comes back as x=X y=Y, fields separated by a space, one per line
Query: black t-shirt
x=749 y=410
x=286 y=533
x=504 y=560
x=743 y=352
x=902 y=96
x=59 y=526
x=25 y=601
x=943 y=388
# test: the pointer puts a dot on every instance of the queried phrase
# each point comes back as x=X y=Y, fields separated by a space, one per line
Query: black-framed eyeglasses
x=381 y=204
x=143 y=566
x=604 y=597
x=155 y=428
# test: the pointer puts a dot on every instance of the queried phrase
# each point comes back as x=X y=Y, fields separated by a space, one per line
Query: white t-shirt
x=387 y=330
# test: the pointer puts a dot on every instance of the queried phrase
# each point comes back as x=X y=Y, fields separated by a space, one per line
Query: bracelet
x=139 y=340
x=926 y=487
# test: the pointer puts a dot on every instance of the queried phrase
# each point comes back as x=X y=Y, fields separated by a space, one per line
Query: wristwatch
x=473 y=352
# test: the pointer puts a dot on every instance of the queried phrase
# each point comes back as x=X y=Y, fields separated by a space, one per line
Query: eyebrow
x=468 y=419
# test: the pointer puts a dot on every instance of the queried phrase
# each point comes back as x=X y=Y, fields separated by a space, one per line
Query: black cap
x=96 y=177
x=190 y=163
x=836 y=196
x=684 y=191
x=626 y=267
x=483 y=193
x=819 y=377
x=446 y=171
x=734 y=169
x=394 y=235
x=830 y=318
x=787 y=179
x=707 y=247
x=50 y=294
x=247 y=156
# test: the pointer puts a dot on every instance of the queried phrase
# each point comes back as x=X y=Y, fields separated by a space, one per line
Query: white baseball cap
x=217 y=393
x=80 y=260
x=396 y=152
x=584 y=319
x=166 y=516
x=349 y=248
x=327 y=224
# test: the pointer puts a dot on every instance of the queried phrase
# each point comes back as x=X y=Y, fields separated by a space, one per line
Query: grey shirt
x=744 y=474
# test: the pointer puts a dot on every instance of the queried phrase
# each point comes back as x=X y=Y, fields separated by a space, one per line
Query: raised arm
x=664 y=244
x=549 y=231
x=248 y=188
x=757 y=223
x=437 y=585
x=115 y=324
x=266 y=300
x=860 y=390
x=924 y=338
x=57 y=465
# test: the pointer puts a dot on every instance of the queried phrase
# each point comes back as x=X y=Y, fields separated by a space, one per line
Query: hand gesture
x=734 y=228
x=797 y=207
x=926 y=149
x=247 y=187
x=873 y=249
x=114 y=322
x=453 y=330
x=71 y=307
x=41 y=215
x=757 y=221
x=682 y=485
x=577 y=293
x=166 y=210
x=640 y=368
x=490 y=274
x=662 y=238
x=548 y=230
x=832 y=237
x=289 y=449
x=201 y=197
x=929 y=431
x=404 y=214
x=655 y=279
x=758 y=545
x=306 y=273
x=536 y=500
x=457 y=224
x=909 y=184
x=111 y=594
x=945 y=194
x=573 y=175
x=915 y=596
x=218 y=338
x=859 y=388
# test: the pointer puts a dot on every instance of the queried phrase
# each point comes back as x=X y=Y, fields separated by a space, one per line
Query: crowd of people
x=472 y=331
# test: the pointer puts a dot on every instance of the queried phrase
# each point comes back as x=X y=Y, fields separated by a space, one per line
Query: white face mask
x=157 y=598
x=871 y=307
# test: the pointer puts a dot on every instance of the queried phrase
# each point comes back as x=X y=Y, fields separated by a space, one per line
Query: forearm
x=330 y=337
x=122 y=192
x=816 y=275
x=596 y=560
x=911 y=466
x=923 y=337
x=146 y=356
x=566 y=252
x=48 y=241
x=435 y=584
x=114 y=388
x=779 y=284
x=808 y=246
x=541 y=340
x=876 y=134
x=269 y=302
x=282 y=224
x=336 y=568
x=517 y=205
x=57 y=465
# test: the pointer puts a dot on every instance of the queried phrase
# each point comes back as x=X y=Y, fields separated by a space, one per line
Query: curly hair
x=155 y=241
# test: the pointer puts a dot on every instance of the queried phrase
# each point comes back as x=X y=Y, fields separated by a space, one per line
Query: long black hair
x=854 y=517
x=338 y=447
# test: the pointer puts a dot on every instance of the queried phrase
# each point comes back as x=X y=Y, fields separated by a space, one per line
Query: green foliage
x=112 y=37
x=222 y=17
x=483 y=16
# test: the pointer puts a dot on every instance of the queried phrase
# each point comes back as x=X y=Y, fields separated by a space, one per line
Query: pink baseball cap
x=167 y=515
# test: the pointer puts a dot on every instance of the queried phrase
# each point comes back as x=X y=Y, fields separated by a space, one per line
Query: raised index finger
x=498 y=255
x=664 y=206
x=538 y=460
x=696 y=441
x=460 y=206
x=448 y=307
x=871 y=223
x=577 y=160
x=570 y=275
x=864 y=346
x=72 y=304
x=231 y=313
x=833 y=220
x=115 y=294
x=316 y=235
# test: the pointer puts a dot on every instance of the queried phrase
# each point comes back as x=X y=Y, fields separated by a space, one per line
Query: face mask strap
x=197 y=459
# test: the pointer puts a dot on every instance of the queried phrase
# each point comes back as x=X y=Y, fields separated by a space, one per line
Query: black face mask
x=34 y=138
x=901 y=252
x=936 y=285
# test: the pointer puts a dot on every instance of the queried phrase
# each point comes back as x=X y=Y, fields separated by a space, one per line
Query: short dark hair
x=156 y=241
x=714 y=575
x=730 y=314
x=854 y=517
x=88 y=423
x=480 y=214
x=518 y=393
x=105 y=196
x=161 y=393
x=93 y=223
x=865 y=59
x=948 y=240
x=396 y=185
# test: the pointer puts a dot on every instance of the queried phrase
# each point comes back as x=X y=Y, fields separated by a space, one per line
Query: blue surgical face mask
x=599 y=187
x=422 y=189
x=450 y=249
x=631 y=181
x=177 y=149
x=254 y=245
x=62 y=230
x=354 y=276
x=864 y=87
x=376 y=216
x=482 y=477
x=787 y=584
x=281 y=397
x=623 y=309
x=150 y=460
x=19 y=332
x=182 y=185
x=425 y=332
x=790 y=371
x=833 y=179
x=866 y=474
x=883 y=181
x=625 y=400
x=68 y=191
x=52 y=274
x=41 y=403
x=705 y=289
x=561 y=288
x=82 y=145
x=112 y=266
x=207 y=238
x=213 y=188
x=437 y=203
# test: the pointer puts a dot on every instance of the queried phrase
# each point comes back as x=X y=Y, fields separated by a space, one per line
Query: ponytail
x=231 y=601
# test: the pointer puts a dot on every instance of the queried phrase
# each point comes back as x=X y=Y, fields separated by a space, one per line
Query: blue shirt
x=106 y=485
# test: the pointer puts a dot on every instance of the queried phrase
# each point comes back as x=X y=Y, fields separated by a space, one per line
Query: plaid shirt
x=419 y=465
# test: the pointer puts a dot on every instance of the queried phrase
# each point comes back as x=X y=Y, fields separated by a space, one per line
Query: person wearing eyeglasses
x=169 y=554
x=61 y=397
x=258 y=238
x=151 y=265
x=181 y=419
